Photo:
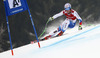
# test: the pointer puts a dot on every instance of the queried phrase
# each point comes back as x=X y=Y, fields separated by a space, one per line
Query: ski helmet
x=67 y=6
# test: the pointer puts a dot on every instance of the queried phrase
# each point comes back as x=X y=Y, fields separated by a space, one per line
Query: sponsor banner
x=15 y=6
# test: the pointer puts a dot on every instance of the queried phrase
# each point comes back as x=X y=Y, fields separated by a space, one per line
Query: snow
x=73 y=44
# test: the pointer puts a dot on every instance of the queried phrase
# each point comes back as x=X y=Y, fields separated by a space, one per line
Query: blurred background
x=20 y=24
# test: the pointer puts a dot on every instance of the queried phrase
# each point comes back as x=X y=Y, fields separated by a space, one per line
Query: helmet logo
x=67 y=5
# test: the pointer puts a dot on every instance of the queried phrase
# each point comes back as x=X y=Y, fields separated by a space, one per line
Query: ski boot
x=61 y=33
x=45 y=38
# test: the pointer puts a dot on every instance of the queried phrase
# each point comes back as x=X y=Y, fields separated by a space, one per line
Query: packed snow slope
x=73 y=44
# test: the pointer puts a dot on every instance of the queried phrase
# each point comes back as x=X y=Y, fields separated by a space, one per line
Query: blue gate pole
x=9 y=35
x=8 y=28
x=34 y=27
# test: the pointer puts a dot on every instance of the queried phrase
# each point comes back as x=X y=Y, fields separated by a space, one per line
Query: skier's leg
x=52 y=34
x=63 y=27
x=71 y=25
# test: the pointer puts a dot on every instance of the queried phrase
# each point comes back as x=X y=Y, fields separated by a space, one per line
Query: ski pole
x=44 y=29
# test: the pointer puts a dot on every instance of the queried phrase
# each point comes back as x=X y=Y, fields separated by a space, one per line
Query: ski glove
x=51 y=18
x=80 y=27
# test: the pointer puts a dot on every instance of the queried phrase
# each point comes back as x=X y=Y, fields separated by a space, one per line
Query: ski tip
x=32 y=42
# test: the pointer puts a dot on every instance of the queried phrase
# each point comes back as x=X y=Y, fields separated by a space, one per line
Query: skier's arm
x=79 y=18
x=58 y=15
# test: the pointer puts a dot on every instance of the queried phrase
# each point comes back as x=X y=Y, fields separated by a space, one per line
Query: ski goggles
x=68 y=8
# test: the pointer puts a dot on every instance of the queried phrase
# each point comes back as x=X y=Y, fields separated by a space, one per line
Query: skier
x=70 y=21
